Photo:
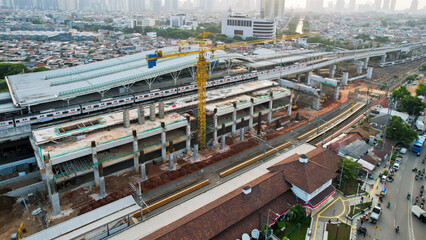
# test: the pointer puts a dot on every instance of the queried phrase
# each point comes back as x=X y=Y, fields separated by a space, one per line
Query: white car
x=403 y=150
x=396 y=166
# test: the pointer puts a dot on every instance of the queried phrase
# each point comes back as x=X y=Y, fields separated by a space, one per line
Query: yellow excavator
x=294 y=107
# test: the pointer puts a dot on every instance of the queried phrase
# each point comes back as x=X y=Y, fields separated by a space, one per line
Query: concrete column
x=143 y=172
x=222 y=142
x=345 y=78
x=289 y=105
x=126 y=118
x=56 y=204
x=398 y=55
x=369 y=73
x=308 y=78
x=298 y=77
x=359 y=68
x=234 y=119
x=383 y=59
x=188 y=134
x=336 y=92
x=242 y=134
x=195 y=152
x=332 y=71
x=366 y=62
x=141 y=115
x=251 y=113
x=136 y=151
x=152 y=112
x=171 y=162
x=270 y=107
x=317 y=103
x=95 y=163
x=161 y=110
x=163 y=142
x=102 y=187
x=215 y=125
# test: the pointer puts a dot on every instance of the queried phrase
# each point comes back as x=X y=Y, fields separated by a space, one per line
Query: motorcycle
x=397 y=229
x=408 y=196
x=389 y=204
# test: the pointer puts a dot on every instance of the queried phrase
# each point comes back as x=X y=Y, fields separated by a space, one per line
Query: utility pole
x=387 y=121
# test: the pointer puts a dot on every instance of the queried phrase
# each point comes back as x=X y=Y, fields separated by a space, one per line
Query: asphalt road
x=399 y=214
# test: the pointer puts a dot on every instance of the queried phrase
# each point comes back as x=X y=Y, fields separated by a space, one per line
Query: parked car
x=375 y=214
x=403 y=151
x=396 y=166
x=398 y=160
x=419 y=213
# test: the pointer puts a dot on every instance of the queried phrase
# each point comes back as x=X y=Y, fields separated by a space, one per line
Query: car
x=396 y=166
x=403 y=150
x=375 y=214
x=398 y=160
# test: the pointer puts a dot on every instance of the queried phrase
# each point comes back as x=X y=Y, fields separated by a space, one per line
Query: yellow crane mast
x=202 y=76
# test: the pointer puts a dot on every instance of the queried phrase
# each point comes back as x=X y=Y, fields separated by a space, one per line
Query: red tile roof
x=384 y=102
x=388 y=147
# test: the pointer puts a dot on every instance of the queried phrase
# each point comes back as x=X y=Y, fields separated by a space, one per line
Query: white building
x=148 y=22
x=177 y=21
x=244 y=26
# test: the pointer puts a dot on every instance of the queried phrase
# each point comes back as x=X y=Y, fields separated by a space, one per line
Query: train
x=84 y=108
x=412 y=59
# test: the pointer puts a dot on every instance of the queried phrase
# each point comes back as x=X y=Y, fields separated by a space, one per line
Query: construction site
x=167 y=149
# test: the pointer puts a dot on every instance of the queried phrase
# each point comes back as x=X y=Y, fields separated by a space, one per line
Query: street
x=399 y=213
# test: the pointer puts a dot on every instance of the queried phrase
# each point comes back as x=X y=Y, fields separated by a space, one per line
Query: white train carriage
x=187 y=88
x=154 y=94
x=48 y=115
x=106 y=103
x=6 y=124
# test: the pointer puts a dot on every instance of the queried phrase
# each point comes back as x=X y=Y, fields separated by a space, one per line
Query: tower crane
x=202 y=76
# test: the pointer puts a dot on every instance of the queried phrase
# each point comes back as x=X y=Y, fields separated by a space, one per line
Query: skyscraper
x=414 y=5
x=392 y=5
x=314 y=5
x=386 y=4
x=272 y=8
x=155 y=5
x=340 y=5
x=377 y=4
x=352 y=5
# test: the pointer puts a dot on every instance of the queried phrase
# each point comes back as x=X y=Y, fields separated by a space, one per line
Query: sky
x=400 y=4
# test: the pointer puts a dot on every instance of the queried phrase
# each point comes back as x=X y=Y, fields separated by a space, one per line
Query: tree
x=36 y=21
x=350 y=169
x=423 y=68
x=7 y=69
x=421 y=90
x=400 y=93
x=400 y=131
x=41 y=69
x=412 y=105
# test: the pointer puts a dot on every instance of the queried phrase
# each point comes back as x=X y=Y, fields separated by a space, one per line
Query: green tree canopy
x=350 y=169
x=41 y=69
x=7 y=69
x=36 y=21
x=400 y=93
x=423 y=68
x=412 y=105
x=297 y=214
x=400 y=131
x=421 y=90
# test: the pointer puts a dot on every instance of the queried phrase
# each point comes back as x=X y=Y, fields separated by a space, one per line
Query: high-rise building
x=414 y=5
x=352 y=5
x=377 y=4
x=155 y=5
x=392 y=5
x=314 y=5
x=272 y=8
x=386 y=4
x=340 y=5
x=136 y=5
x=244 y=26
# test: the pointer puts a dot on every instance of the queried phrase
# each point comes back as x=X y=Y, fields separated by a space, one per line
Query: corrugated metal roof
x=88 y=221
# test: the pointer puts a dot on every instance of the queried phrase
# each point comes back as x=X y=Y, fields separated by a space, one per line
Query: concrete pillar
x=161 y=110
x=359 y=68
x=102 y=187
x=298 y=77
x=289 y=105
x=171 y=162
x=163 y=142
x=316 y=103
x=234 y=119
x=332 y=71
x=143 y=172
x=136 y=151
x=251 y=113
x=56 y=204
x=345 y=78
x=126 y=118
x=222 y=142
x=383 y=59
x=188 y=134
x=152 y=112
x=270 y=107
x=366 y=62
x=95 y=163
x=195 y=152
x=141 y=115
x=398 y=55
x=308 y=78
x=215 y=126
x=242 y=134
x=369 y=73
x=336 y=92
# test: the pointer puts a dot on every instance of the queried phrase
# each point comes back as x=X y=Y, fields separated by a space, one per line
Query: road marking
x=316 y=224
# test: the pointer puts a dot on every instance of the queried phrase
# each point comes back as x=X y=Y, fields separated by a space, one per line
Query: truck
x=419 y=213
x=420 y=125
x=375 y=214
x=418 y=145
